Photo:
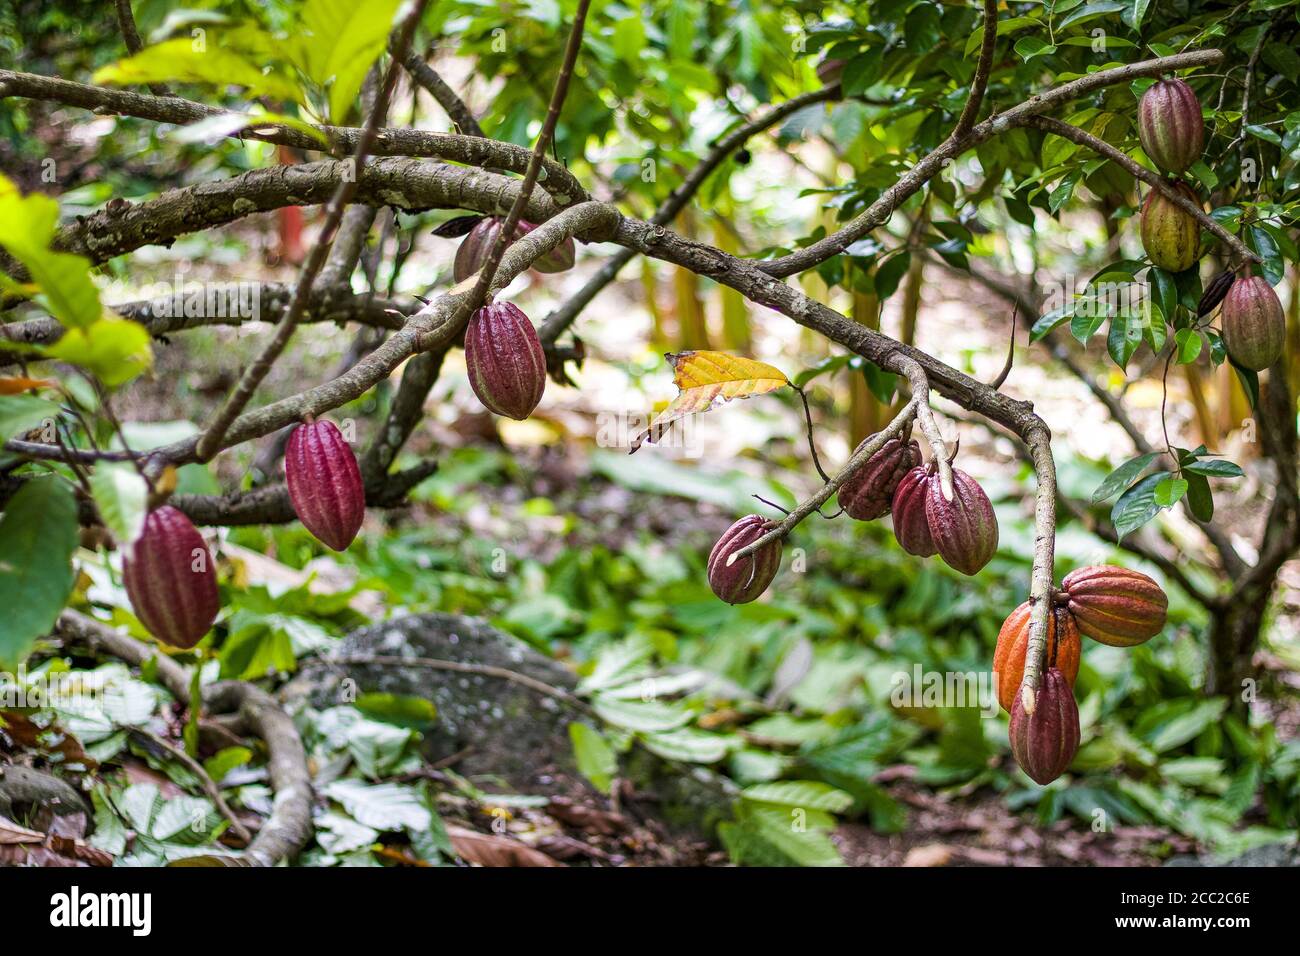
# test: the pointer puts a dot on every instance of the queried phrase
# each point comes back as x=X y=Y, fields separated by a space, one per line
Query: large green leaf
x=38 y=534
x=121 y=495
x=596 y=758
x=19 y=414
x=342 y=39
x=27 y=228
x=213 y=61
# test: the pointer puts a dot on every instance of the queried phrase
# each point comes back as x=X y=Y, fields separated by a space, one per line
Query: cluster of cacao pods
x=168 y=571
x=1111 y=605
x=1172 y=133
x=963 y=531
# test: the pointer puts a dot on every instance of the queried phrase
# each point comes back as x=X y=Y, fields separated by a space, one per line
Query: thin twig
x=131 y=37
x=209 y=785
x=458 y=667
x=1011 y=351
x=920 y=383
x=210 y=441
x=859 y=457
x=484 y=284
x=812 y=445
x=982 y=69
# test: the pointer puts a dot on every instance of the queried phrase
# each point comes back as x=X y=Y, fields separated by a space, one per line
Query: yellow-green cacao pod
x=1170 y=236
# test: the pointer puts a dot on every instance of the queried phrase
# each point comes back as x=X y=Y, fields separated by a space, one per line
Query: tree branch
x=1155 y=181
x=427 y=77
x=934 y=162
x=470 y=150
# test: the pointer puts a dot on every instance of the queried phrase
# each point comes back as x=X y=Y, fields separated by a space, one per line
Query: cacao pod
x=473 y=250
x=1170 y=236
x=1045 y=742
x=1214 y=294
x=1063 y=650
x=1254 y=326
x=504 y=358
x=964 y=530
x=830 y=70
x=911 y=527
x=1115 y=606
x=325 y=483
x=748 y=577
x=1170 y=125
x=170 y=579
x=559 y=259
x=868 y=492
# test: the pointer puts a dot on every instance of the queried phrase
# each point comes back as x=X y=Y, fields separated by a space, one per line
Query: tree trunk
x=1234 y=636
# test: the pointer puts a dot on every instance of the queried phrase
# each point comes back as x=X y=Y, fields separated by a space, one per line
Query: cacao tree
x=947 y=123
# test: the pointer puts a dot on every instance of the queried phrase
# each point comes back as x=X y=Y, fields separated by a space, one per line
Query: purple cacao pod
x=504 y=358
x=1170 y=125
x=911 y=527
x=1254 y=325
x=965 y=530
x=748 y=577
x=559 y=259
x=830 y=70
x=473 y=250
x=869 y=491
x=171 y=580
x=1171 y=237
x=1045 y=742
x=325 y=483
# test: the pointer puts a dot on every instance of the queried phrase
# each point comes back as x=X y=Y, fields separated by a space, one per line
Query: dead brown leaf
x=487 y=849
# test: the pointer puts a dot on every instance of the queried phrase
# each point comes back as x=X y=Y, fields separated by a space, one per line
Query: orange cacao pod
x=1115 y=606
x=1063 y=650
x=170 y=579
x=1045 y=742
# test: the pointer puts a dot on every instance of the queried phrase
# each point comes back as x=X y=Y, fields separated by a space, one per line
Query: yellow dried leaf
x=707 y=378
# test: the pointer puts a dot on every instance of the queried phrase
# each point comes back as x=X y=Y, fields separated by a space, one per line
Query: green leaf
x=1083 y=327
x=342 y=40
x=212 y=62
x=121 y=496
x=1200 y=500
x=19 y=414
x=1189 y=343
x=1170 y=491
x=643 y=716
x=891 y=273
x=690 y=745
x=1123 y=476
x=1029 y=47
x=226 y=760
x=115 y=350
x=1051 y=320
x=38 y=534
x=1138 y=505
x=401 y=710
x=801 y=793
x=1173 y=723
x=1215 y=468
x=1123 y=339
x=27 y=228
x=595 y=757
